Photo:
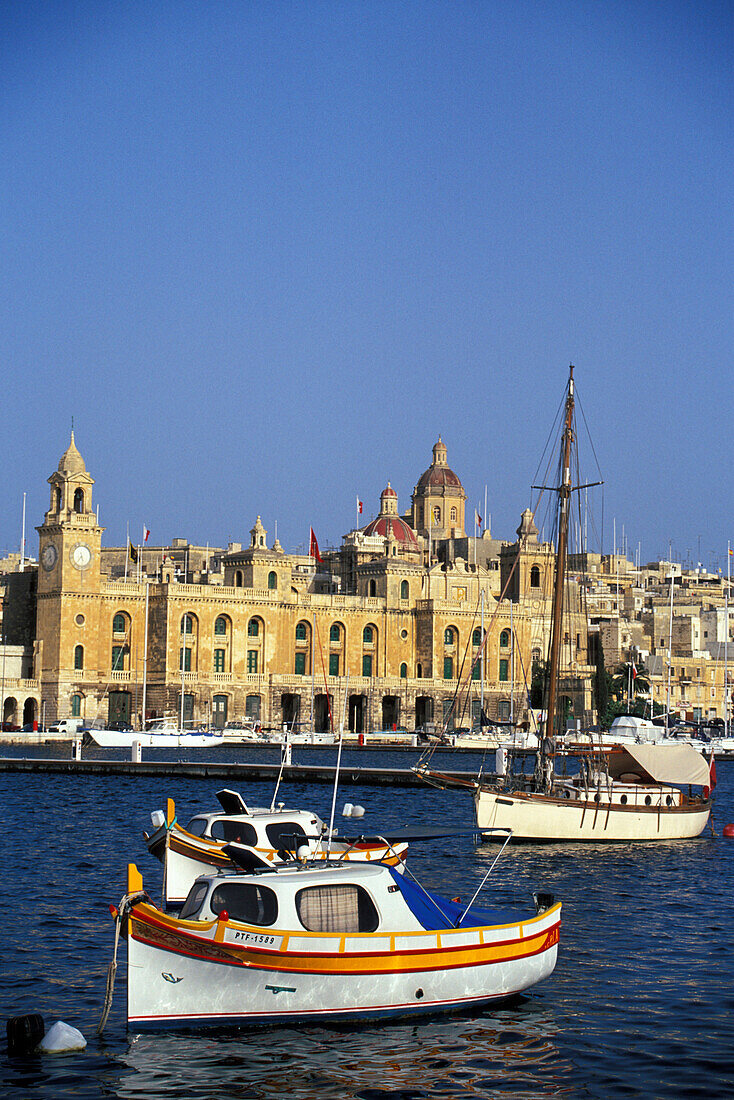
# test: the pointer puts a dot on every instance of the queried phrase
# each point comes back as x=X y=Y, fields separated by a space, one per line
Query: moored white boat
x=161 y=734
x=272 y=835
x=305 y=945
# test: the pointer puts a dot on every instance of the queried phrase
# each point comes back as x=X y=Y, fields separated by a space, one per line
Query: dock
x=299 y=773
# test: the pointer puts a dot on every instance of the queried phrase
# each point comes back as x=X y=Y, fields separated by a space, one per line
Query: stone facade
x=385 y=630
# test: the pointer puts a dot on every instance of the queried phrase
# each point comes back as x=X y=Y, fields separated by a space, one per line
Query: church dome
x=389 y=523
x=439 y=475
x=385 y=525
x=71 y=461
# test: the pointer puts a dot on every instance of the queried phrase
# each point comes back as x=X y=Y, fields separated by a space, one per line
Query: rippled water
x=641 y=1002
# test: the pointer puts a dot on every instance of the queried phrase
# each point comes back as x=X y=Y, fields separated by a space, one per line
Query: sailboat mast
x=564 y=494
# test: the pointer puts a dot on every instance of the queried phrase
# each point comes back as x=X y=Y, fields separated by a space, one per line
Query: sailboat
x=629 y=793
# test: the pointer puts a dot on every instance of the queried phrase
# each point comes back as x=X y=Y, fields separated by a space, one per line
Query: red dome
x=392 y=525
x=438 y=477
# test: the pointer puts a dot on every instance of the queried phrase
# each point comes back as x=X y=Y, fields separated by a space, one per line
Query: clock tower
x=70 y=541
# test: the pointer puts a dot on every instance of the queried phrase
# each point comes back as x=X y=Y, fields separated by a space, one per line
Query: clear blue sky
x=264 y=253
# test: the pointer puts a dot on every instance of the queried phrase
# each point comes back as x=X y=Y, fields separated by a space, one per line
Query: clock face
x=80 y=555
x=48 y=557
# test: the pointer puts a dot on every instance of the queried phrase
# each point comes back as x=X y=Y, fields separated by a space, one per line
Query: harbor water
x=641 y=1002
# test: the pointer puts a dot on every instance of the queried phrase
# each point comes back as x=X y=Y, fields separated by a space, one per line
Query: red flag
x=359 y=506
x=314 y=547
x=634 y=671
x=708 y=791
x=477 y=518
x=146 y=533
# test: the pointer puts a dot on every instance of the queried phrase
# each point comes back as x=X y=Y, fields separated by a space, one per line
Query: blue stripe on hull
x=312 y=1018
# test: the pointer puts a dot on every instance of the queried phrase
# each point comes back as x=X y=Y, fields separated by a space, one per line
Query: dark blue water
x=641 y=1002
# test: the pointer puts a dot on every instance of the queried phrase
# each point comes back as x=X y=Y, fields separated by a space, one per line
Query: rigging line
x=588 y=433
x=326 y=684
x=459 y=684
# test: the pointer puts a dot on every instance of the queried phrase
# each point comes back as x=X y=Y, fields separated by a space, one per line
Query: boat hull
x=541 y=818
x=224 y=978
x=111 y=739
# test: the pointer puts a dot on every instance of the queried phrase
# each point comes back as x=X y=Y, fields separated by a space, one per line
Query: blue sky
x=265 y=253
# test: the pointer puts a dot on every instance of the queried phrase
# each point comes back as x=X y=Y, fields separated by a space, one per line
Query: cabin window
x=504 y=674
x=333 y=664
x=272 y=579
x=195 y=899
x=239 y=831
x=118 y=624
x=245 y=901
x=197 y=826
x=342 y=908
x=367 y=664
x=219 y=660
x=535 y=577
x=504 y=639
x=285 y=835
x=301 y=634
x=220 y=625
x=404 y=590
x=252 y=660
x=300 y=666
x=79 y=656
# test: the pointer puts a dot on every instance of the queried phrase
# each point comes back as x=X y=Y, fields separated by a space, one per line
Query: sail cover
x=678 y=764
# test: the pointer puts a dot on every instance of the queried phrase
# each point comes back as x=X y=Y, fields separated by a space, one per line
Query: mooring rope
x=125 y=905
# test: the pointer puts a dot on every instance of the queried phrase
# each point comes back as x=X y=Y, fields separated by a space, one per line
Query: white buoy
x=357 y=811
x=158 y=819
x=348 y=809
x=61 y=1037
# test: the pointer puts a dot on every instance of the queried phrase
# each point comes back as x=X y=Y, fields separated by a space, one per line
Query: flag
x=132 y=552
x=708 y=791
x=313 y=548
x=477 y=518
x=146 y=533
x=359 y=506
x=730 y=550
x=634 y=671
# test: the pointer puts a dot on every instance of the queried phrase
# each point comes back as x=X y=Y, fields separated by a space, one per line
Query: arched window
x=535 y=577
x=476 y=638
x=453 y=515
x=372 y=588
x=368 y=635
x=535 y=655
x=418 y=671
x=119 y=625
x=79 y=500
x=76 y=706
x=403 y=671
x=187 y=624
x=404 y=590
x=436 y=514
x=504 y=639
x=301 y=632
x=272 y=579
x=253 y=628
x=57 y=499
x=220 y=625
x=334 y=633
x=238 y=579
x=79 y=656
x=448 y=636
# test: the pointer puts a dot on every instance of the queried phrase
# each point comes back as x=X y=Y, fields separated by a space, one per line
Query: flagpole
x=145 y=653
x=127 y=546
x=22 y=539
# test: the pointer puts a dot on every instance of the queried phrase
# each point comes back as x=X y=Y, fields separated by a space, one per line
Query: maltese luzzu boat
x=272 y=834
x=321 y=943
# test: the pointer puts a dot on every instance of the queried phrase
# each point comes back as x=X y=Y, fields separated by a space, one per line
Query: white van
x=66 y=725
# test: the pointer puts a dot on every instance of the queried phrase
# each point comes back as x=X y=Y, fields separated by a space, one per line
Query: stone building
x=409 y=621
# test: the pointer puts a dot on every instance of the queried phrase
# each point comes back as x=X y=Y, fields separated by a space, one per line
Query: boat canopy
x=679 y=764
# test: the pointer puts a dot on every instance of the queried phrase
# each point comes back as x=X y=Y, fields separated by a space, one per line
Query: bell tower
x=69 y=551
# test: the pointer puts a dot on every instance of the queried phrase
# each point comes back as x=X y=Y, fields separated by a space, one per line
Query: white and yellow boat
x=272 y=835
x=334 y=942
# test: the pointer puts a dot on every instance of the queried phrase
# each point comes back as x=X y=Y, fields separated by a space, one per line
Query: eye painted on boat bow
x=170 y=978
